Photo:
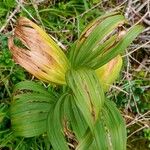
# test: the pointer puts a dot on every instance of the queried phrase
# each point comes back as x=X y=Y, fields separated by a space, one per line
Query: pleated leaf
x=86 y=141
x=110 y=131
x=115 y=49
x=86 y=32
x=91 y=39
x=29 y=109
x=55 y=128
x=100 y=42
x=88 y=94
x=30 y=86
x=76 y=119
x=115 y=126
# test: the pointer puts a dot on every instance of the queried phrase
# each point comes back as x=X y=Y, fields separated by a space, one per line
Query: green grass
x=65 y=20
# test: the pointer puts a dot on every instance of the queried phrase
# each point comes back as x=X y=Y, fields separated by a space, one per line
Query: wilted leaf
x=41 y=56
x=108 y=73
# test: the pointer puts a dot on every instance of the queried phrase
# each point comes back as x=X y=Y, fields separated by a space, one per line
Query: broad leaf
x=88 y=94
x=94 y=37
x=115 y=126
x=29 y=109
x=116 y=48
x=86 y=141
x=31 y=86
x=55 y=129
x=76 y=119
x=110 y=131
x=100 y=42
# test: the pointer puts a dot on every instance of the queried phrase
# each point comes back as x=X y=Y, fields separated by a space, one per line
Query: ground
x=65 y=20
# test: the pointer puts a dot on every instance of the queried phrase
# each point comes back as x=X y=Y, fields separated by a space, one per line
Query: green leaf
x=89 y=28
x=3 y=112
x=99 y=42
x=29 y=109
x=96 y=140
x=94 y=36
x=100 y=49
x=88 y=94
x=120 y=46
x=86 y=141
x=109 y=133
x=29 y=85
x=76 y=119
x=116 y=126
x=9 y=3
x=55 y=125
x=3 y=11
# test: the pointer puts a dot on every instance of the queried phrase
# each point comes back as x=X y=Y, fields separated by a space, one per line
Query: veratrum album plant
x=75 y=113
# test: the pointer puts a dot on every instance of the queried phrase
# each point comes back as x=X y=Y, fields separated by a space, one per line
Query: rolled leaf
x=108 y=73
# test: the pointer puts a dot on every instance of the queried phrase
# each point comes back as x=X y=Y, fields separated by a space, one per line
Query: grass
x=65 y=20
